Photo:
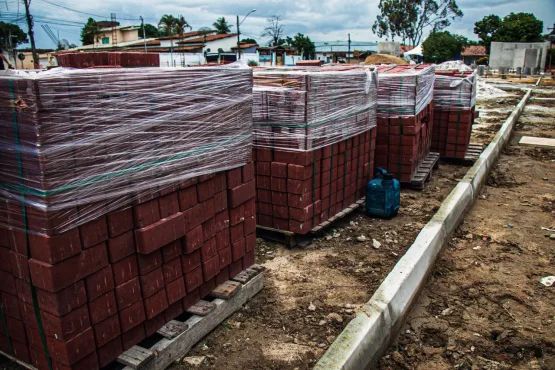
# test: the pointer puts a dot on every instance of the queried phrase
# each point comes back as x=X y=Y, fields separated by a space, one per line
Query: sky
x=321 y=20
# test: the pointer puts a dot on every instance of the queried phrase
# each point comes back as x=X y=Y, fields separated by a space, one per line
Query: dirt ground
x=484 y=306
x=311 y=293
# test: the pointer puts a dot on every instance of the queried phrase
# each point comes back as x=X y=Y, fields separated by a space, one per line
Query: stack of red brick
x=103 y=59
x=104 y=286
x=314 y=143
x=117 y=211
x=405 y=119
x=454 y=112
x=297 y=191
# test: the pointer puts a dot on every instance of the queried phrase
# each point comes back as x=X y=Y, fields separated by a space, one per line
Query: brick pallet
x=298 y=191
x=314 y=143
x=104 y=236
x=405 y=120
x=103 y=59
x=454 y=112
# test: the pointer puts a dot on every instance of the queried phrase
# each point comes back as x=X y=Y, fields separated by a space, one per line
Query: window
x=105 y=40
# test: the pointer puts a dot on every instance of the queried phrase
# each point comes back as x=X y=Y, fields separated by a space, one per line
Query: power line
x=73 y=9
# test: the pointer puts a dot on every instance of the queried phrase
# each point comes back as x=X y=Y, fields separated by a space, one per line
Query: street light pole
x=144 y=34
x=239 y=33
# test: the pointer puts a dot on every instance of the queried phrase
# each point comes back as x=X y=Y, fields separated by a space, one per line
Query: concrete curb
x=367 y=336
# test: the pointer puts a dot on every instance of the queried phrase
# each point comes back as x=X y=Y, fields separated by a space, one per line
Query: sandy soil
x=484 y=306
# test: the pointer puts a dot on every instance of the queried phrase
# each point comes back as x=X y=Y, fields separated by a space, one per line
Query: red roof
x=186 y=34
x=245 y=45
x=474 y=50
x=208 y=38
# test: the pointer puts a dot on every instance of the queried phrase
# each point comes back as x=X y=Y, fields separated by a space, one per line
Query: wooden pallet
x=472 y=153
x=291 y=239
x=177 y=337
x=424 y=171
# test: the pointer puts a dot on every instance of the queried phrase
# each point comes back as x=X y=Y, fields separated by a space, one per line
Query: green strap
x=36 y=308
x=5 y=325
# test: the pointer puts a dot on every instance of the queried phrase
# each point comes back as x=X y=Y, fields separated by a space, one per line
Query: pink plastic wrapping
x=76 y=144
x=303 y=108
x=404 y=91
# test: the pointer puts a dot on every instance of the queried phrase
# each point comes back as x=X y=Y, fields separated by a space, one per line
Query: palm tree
x=180 y=26
x=221 y=25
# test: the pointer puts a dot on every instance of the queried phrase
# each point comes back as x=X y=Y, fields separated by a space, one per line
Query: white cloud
x=322 y=20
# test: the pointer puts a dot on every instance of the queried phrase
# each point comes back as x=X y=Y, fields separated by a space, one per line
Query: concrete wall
x=389 y=47
x=181 y=59
x=514 y=54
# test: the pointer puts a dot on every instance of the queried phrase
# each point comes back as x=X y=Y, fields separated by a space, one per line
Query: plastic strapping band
x=36 y=308
x=6 y=328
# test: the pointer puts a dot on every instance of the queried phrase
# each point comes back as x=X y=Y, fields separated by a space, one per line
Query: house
x=46 y=59
x=339 y=51
x=246 y=48
x=471 y=54
x=118 y=34
x=276 y=56
x=212 y=43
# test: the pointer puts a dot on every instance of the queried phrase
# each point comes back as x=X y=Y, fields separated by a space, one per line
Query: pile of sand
x=487 y=91
x=453 y=64
x=384 y=59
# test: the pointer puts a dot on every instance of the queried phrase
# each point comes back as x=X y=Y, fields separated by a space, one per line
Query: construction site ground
x=483 y=306
x=311 y=293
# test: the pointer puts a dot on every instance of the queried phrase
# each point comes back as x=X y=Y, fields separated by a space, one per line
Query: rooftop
x=188 y=34
x=208 y=38
x=474 y=50
x=121 y=28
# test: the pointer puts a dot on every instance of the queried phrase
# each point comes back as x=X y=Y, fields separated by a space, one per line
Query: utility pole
x=13 y=51
x=349 y=53
x=31 y=33
x=144 y=34
x=238 y=43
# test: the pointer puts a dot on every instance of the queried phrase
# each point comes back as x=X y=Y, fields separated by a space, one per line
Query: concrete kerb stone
x=366 y=337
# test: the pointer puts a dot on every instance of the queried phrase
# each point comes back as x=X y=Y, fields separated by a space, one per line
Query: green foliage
x=18 y=36
x=170 y=25
x=442 y=46
x=302 y=45
x=252 y=63
x=150 y=30
x=90 y=33
x=515 y=27
x=221 y=25
x=249 y=41
x=407 y=19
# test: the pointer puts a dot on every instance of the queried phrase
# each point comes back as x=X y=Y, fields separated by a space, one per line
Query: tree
x=442 y=46
x=181 y=25
x=18 y=36
x=274 y=30
x=221 y=25
x=150 y=30
x=407 y=19
x=249 y=41
x=519 y=27
x=166 y=25
x=302 y=45
x=90 y=33
x=487 y=28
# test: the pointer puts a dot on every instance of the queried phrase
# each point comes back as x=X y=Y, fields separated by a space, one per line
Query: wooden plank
x=172 y=329
x=169 y=350
x=226 y=290
x=201 y=308
x=245 y=276
x=18 y=361
x=539 y=142
x=136 y=357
